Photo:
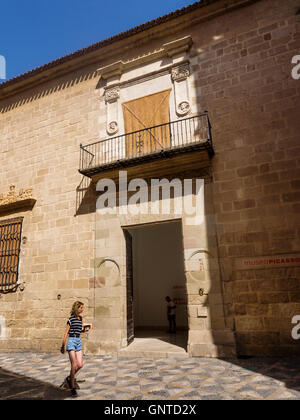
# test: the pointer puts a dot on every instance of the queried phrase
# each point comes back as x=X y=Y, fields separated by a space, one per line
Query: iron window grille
x=10 y=244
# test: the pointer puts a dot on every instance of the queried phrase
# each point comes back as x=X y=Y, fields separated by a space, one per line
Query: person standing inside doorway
x=171 y=314
x=74 y=347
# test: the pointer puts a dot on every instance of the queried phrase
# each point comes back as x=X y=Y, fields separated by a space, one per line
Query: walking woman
x=74 y=348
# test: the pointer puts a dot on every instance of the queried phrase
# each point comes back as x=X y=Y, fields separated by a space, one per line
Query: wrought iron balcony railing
x=180 y=136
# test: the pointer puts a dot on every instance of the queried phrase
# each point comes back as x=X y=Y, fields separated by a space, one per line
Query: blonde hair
x=75 y=307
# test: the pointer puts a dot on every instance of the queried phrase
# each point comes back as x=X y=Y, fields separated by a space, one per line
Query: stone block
x=211 y=350
x=246 y=324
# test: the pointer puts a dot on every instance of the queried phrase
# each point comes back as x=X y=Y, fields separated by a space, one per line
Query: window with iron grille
x=10 y=242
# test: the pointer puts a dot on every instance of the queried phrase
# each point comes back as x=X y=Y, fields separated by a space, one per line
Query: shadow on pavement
x=284 y=370
x=18 y=387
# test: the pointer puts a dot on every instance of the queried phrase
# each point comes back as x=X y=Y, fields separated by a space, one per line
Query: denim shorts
x=74 y=343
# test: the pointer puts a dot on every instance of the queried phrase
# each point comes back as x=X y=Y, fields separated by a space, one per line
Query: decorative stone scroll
x=183 y=108
x=12 y=196
x=112 y=127
x=179 y=76
x=181 y=72
x=13 y=200
x=112 y=96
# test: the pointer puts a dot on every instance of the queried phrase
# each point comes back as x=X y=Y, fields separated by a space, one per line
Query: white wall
x=158 y=272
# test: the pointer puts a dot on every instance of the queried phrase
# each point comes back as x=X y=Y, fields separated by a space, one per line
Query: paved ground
x=123 y=378
x=157 y=344
x=18 y=387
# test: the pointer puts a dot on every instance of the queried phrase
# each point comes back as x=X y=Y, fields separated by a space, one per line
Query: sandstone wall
x=40 y=132
x=241 y=73
x=244 y=80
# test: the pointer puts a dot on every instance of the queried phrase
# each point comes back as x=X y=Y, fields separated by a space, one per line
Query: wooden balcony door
x=142 y=114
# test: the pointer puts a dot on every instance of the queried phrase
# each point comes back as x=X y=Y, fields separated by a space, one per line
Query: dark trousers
x=172 y=323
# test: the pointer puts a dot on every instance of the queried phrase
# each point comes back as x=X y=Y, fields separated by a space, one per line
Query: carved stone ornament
x=112 y=127
x=183 y=108
x=12 y=196
x=112 y=94
x=181 y=72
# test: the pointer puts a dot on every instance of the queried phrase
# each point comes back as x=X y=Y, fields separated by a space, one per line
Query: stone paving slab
x=119 y=378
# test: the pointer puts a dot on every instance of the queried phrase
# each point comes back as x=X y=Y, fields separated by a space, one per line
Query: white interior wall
x=158 y=271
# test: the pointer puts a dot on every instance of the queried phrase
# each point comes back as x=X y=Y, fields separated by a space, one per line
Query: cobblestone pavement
x=121 y=378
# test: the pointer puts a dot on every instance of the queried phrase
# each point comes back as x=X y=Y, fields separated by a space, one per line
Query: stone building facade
x=205 y=94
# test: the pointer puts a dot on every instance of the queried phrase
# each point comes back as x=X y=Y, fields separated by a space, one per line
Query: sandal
x=74 y=393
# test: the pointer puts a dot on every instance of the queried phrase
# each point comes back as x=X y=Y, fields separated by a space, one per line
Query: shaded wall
x=243 y=77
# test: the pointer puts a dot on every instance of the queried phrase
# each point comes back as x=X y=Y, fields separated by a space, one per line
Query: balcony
x=186 y=142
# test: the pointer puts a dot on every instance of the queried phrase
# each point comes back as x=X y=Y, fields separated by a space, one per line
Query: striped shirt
x=75 y=325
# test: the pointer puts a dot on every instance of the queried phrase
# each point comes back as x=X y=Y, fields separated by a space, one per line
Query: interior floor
x=157 y=343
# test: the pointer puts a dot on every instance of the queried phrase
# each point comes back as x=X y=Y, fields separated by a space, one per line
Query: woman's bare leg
x=79 y=360
x=73 y=361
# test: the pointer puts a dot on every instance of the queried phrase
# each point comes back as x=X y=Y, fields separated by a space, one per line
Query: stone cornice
x=168 y=50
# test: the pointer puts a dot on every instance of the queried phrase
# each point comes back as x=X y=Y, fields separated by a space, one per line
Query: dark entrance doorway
x=155 y=269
